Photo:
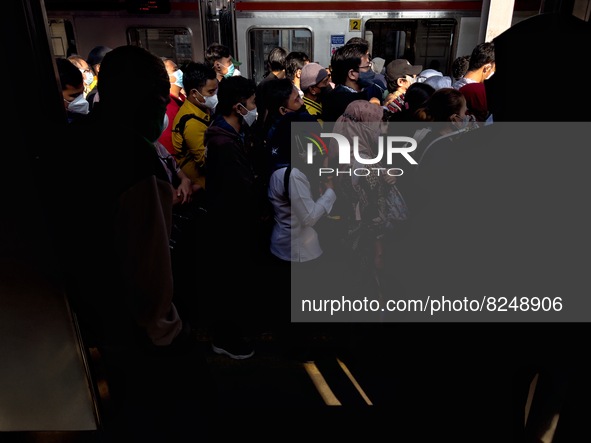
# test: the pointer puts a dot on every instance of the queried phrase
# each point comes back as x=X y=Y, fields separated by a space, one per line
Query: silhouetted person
x=114 y=243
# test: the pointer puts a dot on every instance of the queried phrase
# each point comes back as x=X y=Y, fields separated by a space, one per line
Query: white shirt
x=293 y=237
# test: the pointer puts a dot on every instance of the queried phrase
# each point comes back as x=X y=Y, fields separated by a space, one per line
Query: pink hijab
x=363 y=119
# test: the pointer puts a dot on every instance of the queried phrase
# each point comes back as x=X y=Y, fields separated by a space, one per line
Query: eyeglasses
x=370 y=64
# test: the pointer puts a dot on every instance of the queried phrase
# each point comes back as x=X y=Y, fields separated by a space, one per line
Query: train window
x=263 y=40
x=422 y=42
x=61 y=34
x=173 y=43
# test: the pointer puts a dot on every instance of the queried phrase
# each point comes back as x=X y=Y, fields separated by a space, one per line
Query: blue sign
x=337 y=39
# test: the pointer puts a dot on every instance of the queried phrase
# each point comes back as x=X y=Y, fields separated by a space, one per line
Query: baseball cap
x=96 y=55
x=312 y=74
x=426 y=73
x=439 y=81
x=400 y=68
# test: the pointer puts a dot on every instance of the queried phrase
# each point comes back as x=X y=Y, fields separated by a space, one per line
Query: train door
x=427 y=42
x=217 y=23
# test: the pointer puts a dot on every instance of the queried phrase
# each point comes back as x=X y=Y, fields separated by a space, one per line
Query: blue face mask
x=178 y=74
x=88 y=76
x=230 y=72
x=79 y=105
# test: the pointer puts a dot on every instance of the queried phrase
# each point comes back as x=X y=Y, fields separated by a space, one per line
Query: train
x=429 y=33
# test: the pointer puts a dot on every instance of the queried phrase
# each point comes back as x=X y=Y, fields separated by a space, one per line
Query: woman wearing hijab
x=364 y=189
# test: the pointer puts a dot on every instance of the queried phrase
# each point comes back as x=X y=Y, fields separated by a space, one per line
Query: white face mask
x=79 y=105
x=250 y=116
x=467 y=122
x=211 y=102
x=88 y=76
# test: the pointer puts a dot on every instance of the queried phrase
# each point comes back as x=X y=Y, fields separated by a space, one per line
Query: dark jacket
x=336 y=101
x=114 y=237
x=231 y=199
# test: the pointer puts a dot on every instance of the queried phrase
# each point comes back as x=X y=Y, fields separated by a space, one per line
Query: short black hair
x=232 y=90
x=123 y=63
x=215 y=51
x=482 y=54
x=460 y=66
x=196 y=74
x=69 y=74
x=277 y=95
x=295 y=60
x=276 y=59
x=345 y=58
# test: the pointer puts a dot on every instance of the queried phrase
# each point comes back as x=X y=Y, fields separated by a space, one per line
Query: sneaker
x=236 y=349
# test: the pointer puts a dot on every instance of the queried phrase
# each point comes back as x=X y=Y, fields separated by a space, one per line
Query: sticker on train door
x=336 y=41
x=354 y=24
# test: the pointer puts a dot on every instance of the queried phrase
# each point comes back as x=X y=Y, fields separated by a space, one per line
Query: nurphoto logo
x=387 y=146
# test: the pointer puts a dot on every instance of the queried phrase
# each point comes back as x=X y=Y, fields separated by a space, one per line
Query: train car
x=430 y=33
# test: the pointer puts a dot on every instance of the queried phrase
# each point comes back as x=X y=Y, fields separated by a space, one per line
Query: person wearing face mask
x=200 y=83
x=400 y=74
x=87 y=73
x=347 y=65
x=175 y=75
x=72 y=85
x=177 y=98
x=114 y=248
x=480 y=67
x=285 y=106
x=314 y=82
x=218 y=56
x=446 y=108
x=233 y=217
x=94 y=59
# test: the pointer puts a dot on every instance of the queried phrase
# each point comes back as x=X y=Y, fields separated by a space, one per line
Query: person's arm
x=302 y=203
x=185 y=189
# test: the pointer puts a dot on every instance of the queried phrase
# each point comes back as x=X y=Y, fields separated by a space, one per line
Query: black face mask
x=323 y=91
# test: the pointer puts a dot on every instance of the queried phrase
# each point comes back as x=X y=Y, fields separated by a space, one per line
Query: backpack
x=188 y=218
x=182 y=156
x=286 y=183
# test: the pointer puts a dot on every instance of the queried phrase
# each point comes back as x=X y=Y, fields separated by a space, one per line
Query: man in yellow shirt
x=193 y=118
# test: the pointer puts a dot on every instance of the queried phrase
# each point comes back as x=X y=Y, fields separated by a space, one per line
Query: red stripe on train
x=359 y=6
x=520 y=5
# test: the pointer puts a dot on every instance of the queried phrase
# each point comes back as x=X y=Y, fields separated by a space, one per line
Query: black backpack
x=286 y=183
x=183 y=157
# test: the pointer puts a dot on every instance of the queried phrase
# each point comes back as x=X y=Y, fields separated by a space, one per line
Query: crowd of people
x=205 y=153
